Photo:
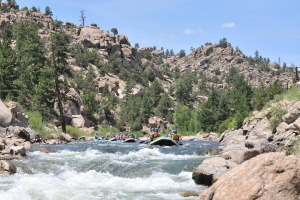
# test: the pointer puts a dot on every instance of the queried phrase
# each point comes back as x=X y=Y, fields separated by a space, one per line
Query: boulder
x=18 y=115
x=157 y=52
x=239 y=155
x=267 y=176
x=67 y=137
x=5 y=115
x=211 y=169
x=17 y=151
x=292 y=114
x=233 y=137
x=189 y=194
x=78 y=121
x=6 y=168
x=28 y=134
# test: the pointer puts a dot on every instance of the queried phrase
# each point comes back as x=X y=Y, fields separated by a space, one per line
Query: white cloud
x=228 y=25
x=188 y=31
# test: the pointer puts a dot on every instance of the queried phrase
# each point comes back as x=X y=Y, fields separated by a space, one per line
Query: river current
x=106 y=170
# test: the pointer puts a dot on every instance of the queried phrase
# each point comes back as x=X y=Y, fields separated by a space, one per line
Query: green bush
x=136 y=125
x=106 y=129
x=76 y=132
x=36 y=122
x=225 y=125
x=278 y=112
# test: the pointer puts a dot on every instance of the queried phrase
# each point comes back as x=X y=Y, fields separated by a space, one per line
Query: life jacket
x=155 y=134
x=175 y=136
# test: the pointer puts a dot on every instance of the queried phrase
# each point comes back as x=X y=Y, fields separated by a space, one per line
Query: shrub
x=36 y=122
x=136 y=125
x=278 y=112
x=225 y=125
x=107 y=129
x=76 y=132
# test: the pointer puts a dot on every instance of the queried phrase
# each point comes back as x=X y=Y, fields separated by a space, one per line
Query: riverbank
x=250 y=156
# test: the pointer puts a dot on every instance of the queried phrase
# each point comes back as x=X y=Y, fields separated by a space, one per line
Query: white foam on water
x=63 y=175
x=96 y=185
x=155 y=154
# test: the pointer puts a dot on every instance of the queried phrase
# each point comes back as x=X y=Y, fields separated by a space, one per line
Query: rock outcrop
x=6 y=168
x=268 y=176
x=253 y=139
x=5 y=115
x=211 y=170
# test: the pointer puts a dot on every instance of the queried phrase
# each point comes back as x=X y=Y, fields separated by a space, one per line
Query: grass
x=276 y=118
x=292 y=94
x=294 y=149
x=76 y=132
x=35 y=121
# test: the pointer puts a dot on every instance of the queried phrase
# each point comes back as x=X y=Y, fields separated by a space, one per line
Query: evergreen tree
x=8 y=63
x=48 y=11
x=184 y=88
x=182 y=117
x=181 y=53
x=259 y=96
x=164 y=106
x=146 y=109
x=223 y=43
x=34 y=9
x=209 y=113
x=240 y=98
x=155 y=91
x=59 y=44
x=31 y=58
x=167 y=53
x=171 y=52
x=114 y=31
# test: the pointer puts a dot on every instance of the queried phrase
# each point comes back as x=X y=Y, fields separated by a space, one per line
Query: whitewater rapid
x=112 y=171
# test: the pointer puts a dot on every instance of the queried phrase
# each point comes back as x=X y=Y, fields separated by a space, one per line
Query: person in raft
x=175 y=136
x=155 y=134
x=150 y=134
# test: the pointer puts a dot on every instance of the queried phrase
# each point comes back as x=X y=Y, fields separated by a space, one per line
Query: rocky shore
x=252 y=163
x=16 y=136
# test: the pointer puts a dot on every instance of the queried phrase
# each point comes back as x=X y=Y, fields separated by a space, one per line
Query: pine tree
x=59 y=48
x=31 y=58
x=183 y=115
x=8 y=63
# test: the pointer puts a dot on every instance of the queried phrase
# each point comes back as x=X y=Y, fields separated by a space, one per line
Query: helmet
x=156 y=129
x=152 y=129
x=174 y=131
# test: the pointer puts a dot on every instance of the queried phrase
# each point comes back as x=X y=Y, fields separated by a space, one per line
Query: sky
x=272 y=27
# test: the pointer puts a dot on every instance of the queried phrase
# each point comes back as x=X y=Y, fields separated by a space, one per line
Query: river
x=110 y=170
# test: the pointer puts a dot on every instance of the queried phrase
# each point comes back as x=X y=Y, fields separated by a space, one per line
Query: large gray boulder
x=211 y=169
x=267 y=176
x=5 y=115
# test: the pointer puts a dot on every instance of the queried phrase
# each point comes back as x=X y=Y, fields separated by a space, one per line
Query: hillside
x=106 y=80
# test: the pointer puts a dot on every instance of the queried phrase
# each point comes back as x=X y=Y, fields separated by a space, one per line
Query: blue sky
x=270 y=26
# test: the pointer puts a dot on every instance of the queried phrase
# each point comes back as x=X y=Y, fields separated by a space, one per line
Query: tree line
x=36 y=74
